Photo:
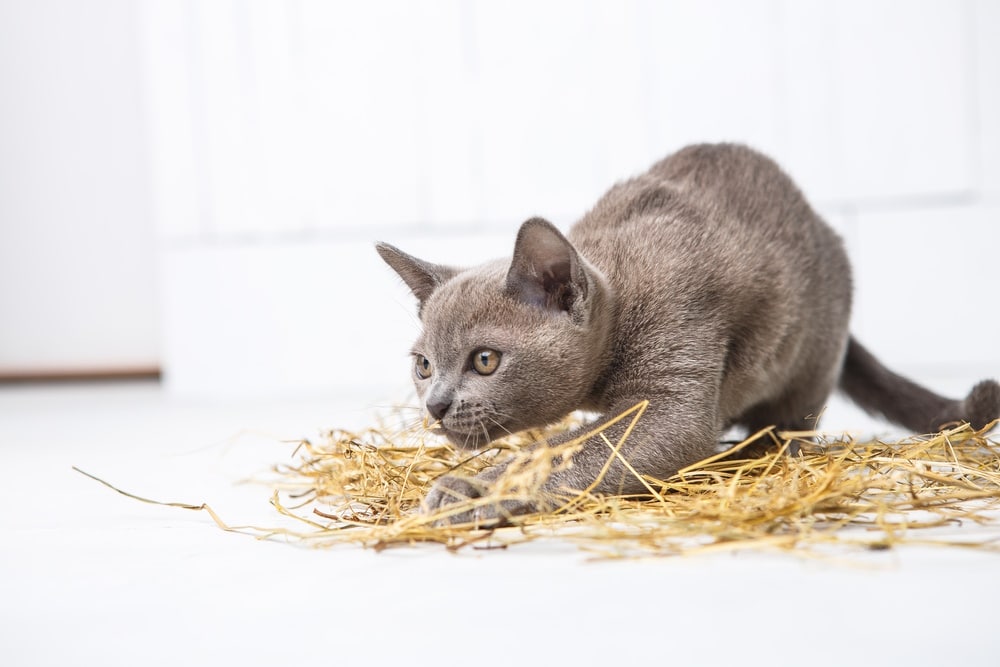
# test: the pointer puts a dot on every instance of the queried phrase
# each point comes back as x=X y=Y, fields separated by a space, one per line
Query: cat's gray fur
x=707 y=286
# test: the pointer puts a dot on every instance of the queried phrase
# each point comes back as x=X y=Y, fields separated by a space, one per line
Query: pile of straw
x=834 y=493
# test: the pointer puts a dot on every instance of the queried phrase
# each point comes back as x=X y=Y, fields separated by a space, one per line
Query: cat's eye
x=485 y=361
x=422 y=366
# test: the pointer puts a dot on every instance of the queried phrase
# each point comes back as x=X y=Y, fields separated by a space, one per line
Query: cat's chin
x=462 y=440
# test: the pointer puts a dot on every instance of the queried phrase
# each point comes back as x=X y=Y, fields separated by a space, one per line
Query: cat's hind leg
x=797 y=409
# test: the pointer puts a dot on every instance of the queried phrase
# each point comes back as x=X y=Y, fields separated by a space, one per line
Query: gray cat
x=707 y=286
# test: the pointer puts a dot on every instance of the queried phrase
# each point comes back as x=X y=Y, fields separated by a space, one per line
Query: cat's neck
x=603 y=325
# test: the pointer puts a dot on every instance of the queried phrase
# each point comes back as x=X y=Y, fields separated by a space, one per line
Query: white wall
x=77 y=254
x=283 y=138
x=292 y=136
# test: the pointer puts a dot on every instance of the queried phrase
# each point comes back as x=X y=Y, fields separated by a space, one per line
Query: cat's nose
x=438 y=408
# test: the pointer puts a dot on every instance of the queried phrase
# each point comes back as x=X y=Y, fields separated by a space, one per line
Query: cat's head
x=508 y=345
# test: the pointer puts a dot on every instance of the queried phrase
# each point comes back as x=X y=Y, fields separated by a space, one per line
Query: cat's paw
x=452 y=501
x=455 y=492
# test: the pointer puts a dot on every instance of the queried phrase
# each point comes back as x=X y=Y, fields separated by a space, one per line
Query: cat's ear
x=546 y=270
x=421 y=277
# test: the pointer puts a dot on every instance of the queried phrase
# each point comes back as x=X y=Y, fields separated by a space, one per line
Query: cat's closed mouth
x=460 y=439
x=469 y=438
x=455 y=437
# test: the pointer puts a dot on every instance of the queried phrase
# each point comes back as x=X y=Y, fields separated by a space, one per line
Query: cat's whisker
x=468 y=437
x=396 y=409
x=501 y=426
x=409 y=430
x=486 y=432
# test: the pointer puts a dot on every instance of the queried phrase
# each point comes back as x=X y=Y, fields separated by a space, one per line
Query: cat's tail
x=881 y=392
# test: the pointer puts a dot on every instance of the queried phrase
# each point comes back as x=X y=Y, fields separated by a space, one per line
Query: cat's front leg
x=529 y=482
x=461 y=500
x=611 y=456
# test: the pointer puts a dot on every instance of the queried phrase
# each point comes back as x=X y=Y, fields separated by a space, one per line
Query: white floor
x=90 y=577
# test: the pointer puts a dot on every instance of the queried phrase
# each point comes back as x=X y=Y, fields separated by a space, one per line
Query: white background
x=198 y=184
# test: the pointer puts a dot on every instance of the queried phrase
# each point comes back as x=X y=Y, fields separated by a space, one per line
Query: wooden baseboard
x=33 y=375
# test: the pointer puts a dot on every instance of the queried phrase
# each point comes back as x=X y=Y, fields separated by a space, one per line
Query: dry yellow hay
x=366 y=488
